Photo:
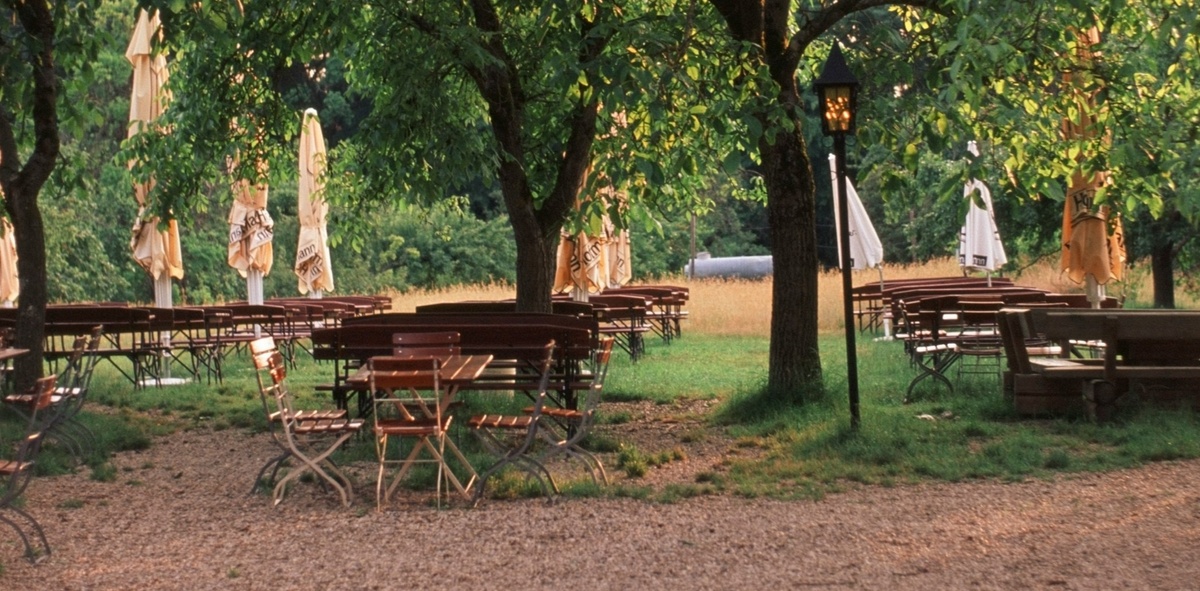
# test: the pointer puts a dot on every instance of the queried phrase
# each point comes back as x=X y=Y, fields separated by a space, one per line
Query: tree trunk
x=535 y=261
x=1162 y=265
x=22 y=183
x=535 y=227
x=795 y=360
x=31 y=268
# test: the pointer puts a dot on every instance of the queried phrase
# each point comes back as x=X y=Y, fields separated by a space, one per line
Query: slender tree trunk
x=535 y=226
x=31 y=268
x=1162 y=265
x=794 y=358
x=22 y=183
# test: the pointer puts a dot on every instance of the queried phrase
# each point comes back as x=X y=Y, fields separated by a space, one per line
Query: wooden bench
x=622 y=316
x=1154 y=354
x=128 y=333
x=666 y=307
x=498 y=334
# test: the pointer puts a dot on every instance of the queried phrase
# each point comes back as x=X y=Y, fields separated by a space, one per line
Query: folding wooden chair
x=52 y=419
x=16 y=473
x=73 y=388
x=408 y=404
x=511 y=438
x=308 y=436
x=568 y=428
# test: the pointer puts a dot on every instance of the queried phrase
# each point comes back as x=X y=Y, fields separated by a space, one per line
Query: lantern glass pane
x=836 y=108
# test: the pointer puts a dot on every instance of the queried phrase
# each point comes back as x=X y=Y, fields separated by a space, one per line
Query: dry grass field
x=740 y=307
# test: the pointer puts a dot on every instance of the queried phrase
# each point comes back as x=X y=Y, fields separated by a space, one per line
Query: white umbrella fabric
x=155 y=250
x=866 y=251
x=312 y=253
x=979 y=244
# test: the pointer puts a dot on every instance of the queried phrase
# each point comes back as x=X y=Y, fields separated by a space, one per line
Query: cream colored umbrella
x=582 y=265
x=157 y=251
x=251 y=231
x=617 y=251
x=590 y=262
x=312 y=253
x=10 y=285
x=1093 y=240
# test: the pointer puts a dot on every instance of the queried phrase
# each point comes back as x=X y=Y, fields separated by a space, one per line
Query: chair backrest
x=69 y=376
x=394 y=373
x=44 y=388
x=21 y=466
x=395 y=382
x=270 y=371
x=544 y=365
x=425 y=344
x=90 y=359
x=596 y=391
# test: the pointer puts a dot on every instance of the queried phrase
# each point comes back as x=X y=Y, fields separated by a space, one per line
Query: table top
x=7 y=353
x=456 y=370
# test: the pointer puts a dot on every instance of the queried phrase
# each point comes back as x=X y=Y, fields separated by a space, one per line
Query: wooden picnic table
x=1152 y=353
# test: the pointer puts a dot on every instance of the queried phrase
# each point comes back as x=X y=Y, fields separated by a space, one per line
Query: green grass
x=695 y=366
x=783 y=450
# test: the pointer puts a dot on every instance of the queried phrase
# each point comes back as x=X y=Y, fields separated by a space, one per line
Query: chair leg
x=313 y=465
x=275 y=463
x=31 y=553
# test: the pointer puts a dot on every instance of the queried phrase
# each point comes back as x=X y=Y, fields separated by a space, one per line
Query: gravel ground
x=178 y=517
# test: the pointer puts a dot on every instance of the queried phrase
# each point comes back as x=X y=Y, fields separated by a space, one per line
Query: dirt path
x=178 y=517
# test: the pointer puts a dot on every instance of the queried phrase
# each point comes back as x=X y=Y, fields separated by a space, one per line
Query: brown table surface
x=7 y=353
x=456 y=371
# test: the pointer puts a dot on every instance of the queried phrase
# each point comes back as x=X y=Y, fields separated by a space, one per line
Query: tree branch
x=824 y=19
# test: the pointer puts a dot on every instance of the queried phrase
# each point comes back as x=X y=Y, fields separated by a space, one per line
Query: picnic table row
x=955 y=326
x=141 y=341
x=627 y=314
x=512 y=339
x=1060 y=354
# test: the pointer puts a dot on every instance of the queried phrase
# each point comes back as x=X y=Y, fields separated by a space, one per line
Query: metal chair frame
x=299 y=431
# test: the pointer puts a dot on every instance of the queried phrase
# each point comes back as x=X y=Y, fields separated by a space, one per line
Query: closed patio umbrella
x=582 y=266
x=979 y=244
x=312 y=253
x=10 y=286
x=157 y=251
x=866 y=250
x=594 y=259
x=1093 y=241
x=251 y=231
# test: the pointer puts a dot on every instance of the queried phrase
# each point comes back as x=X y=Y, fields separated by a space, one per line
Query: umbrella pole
x=163 y=299
x=254 y=293
x=1094 y=291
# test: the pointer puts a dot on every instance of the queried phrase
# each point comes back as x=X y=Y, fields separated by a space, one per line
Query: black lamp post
x=837 y=90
